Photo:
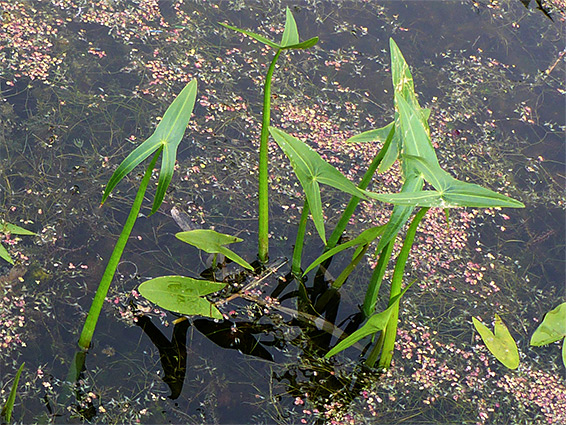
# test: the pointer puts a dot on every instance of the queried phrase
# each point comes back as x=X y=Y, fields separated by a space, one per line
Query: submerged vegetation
x=411 y=278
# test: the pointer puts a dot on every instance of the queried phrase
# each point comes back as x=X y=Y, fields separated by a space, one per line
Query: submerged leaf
x=213 y=243
x=183 y=295
x=311 y=169
x=167 y=135
x=500 y=342
x=552 y=328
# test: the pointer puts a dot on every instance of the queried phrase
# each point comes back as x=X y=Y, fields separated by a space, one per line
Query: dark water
x=82 y=84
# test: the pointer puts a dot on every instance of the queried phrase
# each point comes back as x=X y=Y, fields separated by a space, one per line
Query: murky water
x=84 y=82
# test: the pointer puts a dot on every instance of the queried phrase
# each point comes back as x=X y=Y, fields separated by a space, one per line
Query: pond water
x=82 y=83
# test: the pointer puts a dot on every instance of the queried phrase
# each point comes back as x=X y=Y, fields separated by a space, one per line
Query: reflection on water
x=82 y=84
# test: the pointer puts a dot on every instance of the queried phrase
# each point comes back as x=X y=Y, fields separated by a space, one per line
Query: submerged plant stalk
x=98 y=301
x=263 y=208
x=372 y=292
x=396 y=281
x=299 y=242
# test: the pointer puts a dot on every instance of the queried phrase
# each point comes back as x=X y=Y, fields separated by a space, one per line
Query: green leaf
x=552 y=328
x=365 y=238
x=375 y=135
x=168 y=135
x=424 y=198
x=375 y=323
x=290 y=34
x=4 y=254
x=213 y=242
x=14 y=230
x=253 y=35
x=311 y=170
x=415 y=136
x=564 y=352
x=400 y=214
x=9 y=406
x=402 y=79
x=183 y=295
x=303 y=45
x=500 y=342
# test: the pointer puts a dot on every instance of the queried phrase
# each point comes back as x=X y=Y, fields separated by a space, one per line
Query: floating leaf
x=182 y=295
x=9 y=406
x=311 y=170
x=213 y=243
x=552 y=328
x=500 y=342
x=168 y=134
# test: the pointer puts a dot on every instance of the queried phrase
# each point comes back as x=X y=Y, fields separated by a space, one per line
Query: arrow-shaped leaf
x=500 y=342
x=290 y=34
x=213 y=242
x=311 y=170
x=289 y=40
x=168 y=134
x=183 y=295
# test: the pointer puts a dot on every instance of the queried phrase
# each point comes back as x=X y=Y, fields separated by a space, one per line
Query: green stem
x=376 y=278
x=263 y=242
x=102 y=291
x=337 y=284
x=299 y=242
x=354 y=201
x=396 y=283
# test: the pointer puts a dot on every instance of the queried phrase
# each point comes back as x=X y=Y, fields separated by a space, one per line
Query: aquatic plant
x=9 y=406
x=164 y=140
x=289 y=41
x=499 y=342
x=407 y=139
x=552 y=329
x=11 y=229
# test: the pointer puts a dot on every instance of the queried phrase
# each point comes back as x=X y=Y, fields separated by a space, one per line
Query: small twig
x=560 y=56
x=270 y=270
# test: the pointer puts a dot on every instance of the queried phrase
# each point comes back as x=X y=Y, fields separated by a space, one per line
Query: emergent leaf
x=375 y=323
x=311 y=170
x=168 y=134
